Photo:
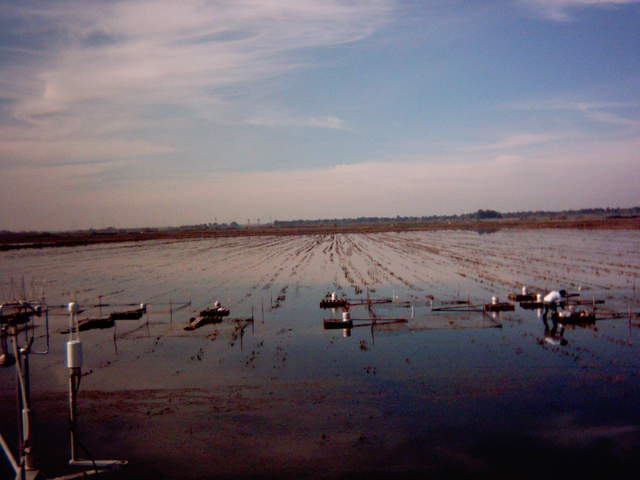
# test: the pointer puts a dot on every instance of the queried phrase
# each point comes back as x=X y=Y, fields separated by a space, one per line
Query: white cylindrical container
x=73 y=307
x=494 y=300
x=539 y=298
x=346 y=317
x=74 y=354
x=333 y=296
x=524 y=290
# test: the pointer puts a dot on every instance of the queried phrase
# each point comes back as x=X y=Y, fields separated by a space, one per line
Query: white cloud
x=282 y=119
x=326 y=122
x=111 y=62
x=601 y=112
x=165 y=51
x=559 y=9
x=517 y=141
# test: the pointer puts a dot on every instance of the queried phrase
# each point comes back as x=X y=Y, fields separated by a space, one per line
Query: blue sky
x=140 y=113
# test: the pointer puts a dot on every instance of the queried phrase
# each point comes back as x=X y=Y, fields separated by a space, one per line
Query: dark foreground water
x=446 y=393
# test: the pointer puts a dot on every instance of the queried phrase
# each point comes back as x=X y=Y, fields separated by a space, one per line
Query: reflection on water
x=555 y=334
x=405 y=387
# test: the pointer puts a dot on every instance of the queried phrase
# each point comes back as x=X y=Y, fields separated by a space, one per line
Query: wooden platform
x=531 y=305
x=518 y=297
x=128 y=315
x=342 y=302
x=215 y=312
x=201 y=322
x=95 y=323
x=576 y=318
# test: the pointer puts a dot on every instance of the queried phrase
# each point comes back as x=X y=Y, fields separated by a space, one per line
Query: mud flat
x=445 y=394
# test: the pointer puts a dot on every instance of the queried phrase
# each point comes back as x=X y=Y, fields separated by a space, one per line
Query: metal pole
x=24 y=423
x=27 y=411
x=72 y=413
x=9 y=455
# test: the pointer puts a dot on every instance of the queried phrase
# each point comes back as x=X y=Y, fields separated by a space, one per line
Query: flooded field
x=410 y=389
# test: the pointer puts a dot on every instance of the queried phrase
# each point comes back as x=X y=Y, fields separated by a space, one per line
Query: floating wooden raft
x=198 y=322
x=368 y=301
x=566 y=316
x=215 y=312
x=499 y=307
x=352 y=302
x=328 y=303
x=519 y=297
x=93 y=323
x=531 y=305
x=128 y=315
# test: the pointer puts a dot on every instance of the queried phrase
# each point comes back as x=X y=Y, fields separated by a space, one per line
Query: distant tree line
x=477 y=215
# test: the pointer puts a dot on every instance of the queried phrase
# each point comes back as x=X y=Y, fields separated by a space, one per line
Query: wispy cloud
x=280 y=119
x=602 y=112
x=114 y=65
x=516 y=141
x=559 y=10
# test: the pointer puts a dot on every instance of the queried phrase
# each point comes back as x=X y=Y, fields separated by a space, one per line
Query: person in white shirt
x=552 y=300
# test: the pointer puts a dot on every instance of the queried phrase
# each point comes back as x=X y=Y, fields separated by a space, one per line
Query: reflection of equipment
x=555 y=335
x=345 y=323
x=74 y=364
x=497 y=306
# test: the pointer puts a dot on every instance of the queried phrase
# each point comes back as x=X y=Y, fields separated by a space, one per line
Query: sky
x=155 y=113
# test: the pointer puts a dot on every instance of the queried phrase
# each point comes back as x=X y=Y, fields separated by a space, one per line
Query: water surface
x=444 y=393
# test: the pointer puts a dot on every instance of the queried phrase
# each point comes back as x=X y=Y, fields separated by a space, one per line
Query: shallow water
x=445 y=393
